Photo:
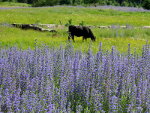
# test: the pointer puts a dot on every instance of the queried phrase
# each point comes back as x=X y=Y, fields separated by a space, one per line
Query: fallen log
x=27 y=26
x=103 y=27
x=32 y=26
x=52 y=27
x=146 y=27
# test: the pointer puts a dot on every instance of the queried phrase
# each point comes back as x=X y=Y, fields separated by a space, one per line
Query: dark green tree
x=37 y=3
x=90 y=1
x=146 y=4
x=64 y=2
x=120 y=1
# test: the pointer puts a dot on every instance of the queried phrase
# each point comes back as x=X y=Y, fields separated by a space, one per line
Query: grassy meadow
x=119 y=38
x=41 y=72
x=90 y=16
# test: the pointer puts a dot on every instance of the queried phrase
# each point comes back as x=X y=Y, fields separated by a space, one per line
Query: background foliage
x=146 y=4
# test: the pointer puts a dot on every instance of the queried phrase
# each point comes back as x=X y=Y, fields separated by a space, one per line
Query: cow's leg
x=85 y=38
x=72 y=38
x=69 y=37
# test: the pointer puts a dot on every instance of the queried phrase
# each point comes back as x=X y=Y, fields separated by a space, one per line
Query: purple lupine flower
x=53 y=80
x=113 y=105
x=17 y=100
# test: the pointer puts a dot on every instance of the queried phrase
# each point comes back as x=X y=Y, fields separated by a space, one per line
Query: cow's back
x=79 y=30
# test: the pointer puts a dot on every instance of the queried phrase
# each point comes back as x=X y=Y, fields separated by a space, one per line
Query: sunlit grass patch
x=90 y=16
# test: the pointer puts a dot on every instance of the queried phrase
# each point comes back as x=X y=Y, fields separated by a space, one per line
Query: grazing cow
x=80 y=31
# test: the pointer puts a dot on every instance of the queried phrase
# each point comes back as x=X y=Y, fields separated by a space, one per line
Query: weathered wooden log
x=27 y=26
x=146 y=27
x=52 y=27
x=124 y=27
x=32 y=26
x=54 y=31
x=103 y=27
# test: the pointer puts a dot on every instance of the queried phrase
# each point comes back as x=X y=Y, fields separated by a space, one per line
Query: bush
x=146 y=4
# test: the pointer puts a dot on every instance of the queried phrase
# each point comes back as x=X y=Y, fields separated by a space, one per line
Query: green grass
x=54 y=15
x=13 y=4
x=120 y=38
x=26 y=38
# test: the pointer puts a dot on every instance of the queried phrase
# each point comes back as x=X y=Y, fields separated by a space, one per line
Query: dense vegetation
x=44 y=73
x=67 y=81
x=144 y=3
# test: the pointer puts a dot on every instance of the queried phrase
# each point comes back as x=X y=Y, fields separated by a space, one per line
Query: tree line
x=133 y=3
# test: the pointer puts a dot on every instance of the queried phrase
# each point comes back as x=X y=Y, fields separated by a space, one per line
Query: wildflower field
x=42 y=72
x=66 y=81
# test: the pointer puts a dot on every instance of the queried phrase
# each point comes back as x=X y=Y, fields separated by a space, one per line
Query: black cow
x=80 y=31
